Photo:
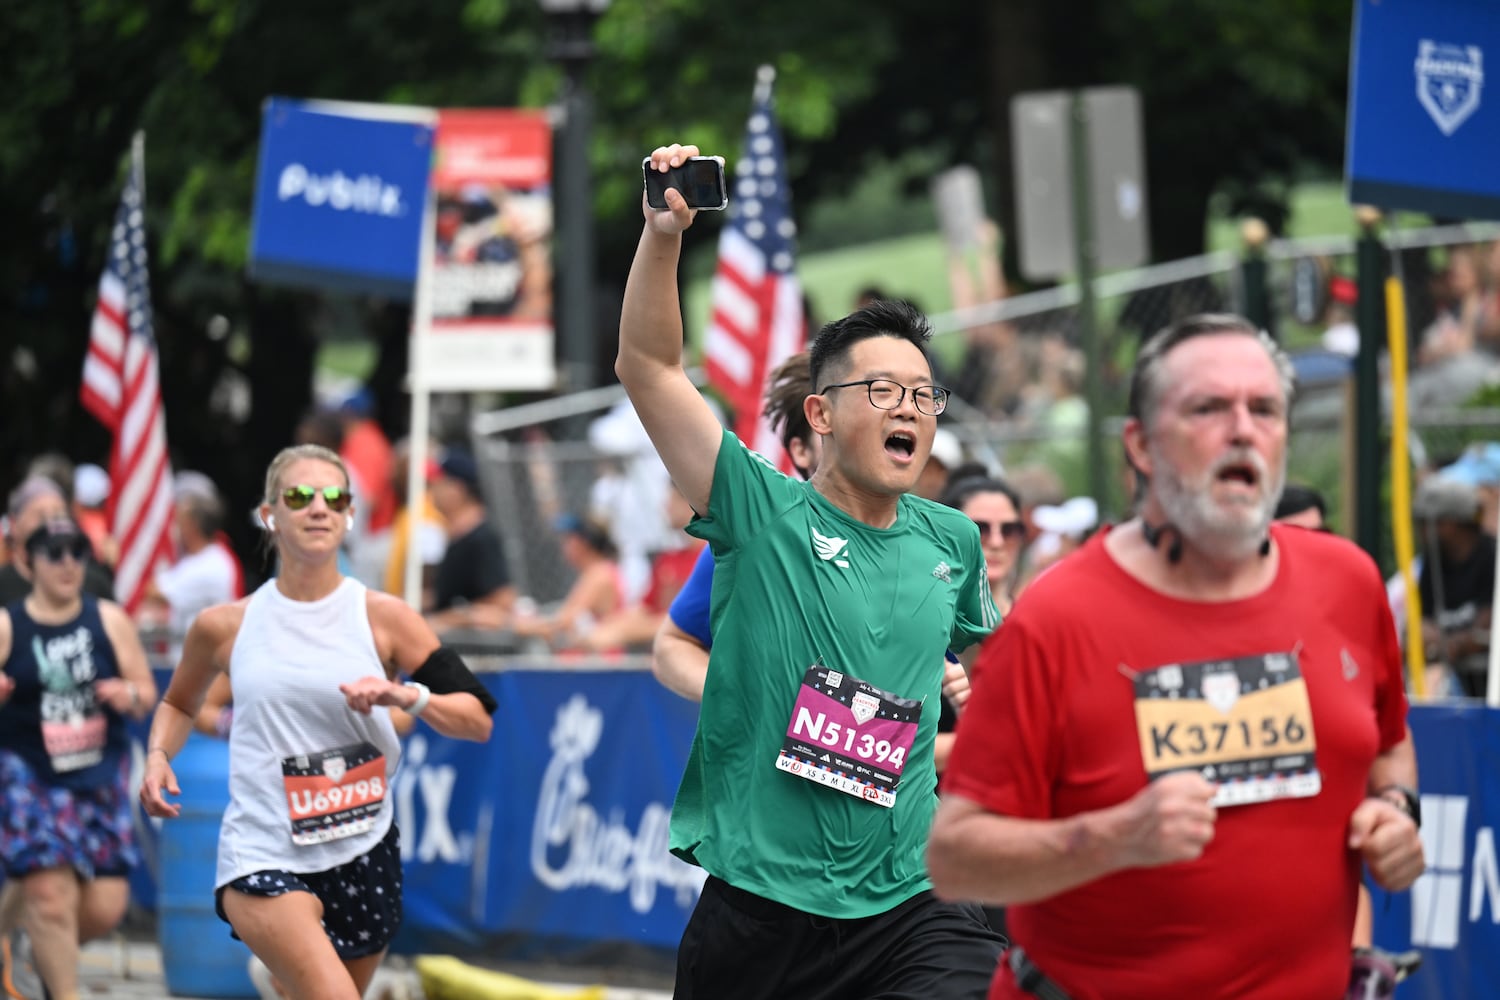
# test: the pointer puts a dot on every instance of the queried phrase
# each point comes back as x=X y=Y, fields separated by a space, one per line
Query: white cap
x=946 y=449
x=90 y=485
x=1071 y=519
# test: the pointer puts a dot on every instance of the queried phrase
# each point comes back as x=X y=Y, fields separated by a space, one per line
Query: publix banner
x=491 y=300
x=555 y=832
x=1452 y=914
x=340 y=192
x=1424 y=120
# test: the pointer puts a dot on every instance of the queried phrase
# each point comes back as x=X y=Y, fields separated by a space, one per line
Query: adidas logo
x=943 y=572
x=830 y=549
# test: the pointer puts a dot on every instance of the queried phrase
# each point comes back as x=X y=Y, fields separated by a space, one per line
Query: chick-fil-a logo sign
x=573 y=847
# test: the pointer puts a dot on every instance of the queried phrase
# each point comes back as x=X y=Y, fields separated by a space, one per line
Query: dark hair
x=960 y=490
x=787 y=388
x=1145 y=377
x=591 y=531
x=889 y=318
x=1296 y=498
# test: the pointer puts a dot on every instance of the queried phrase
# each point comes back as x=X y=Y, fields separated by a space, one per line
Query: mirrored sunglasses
x=336 y=497
x=1010 y=531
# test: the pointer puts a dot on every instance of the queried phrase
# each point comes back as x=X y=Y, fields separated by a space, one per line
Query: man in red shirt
x=1190 y=736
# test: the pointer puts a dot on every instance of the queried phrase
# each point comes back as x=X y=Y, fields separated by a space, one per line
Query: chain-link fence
x=1016 y=369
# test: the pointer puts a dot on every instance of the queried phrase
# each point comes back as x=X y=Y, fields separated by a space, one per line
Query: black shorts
x=361 y=899
x=739 y=946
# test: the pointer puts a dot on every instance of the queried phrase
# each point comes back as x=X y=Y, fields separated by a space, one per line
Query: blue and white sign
x=1452 y=914
x=340 y=192
x=1424 y=130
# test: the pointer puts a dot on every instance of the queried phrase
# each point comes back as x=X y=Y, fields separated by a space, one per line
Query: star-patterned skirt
x=361 y=900
x=43 y=826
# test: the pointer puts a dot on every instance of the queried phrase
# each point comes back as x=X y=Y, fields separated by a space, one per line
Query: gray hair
x=30 y=489
x=1146 y=378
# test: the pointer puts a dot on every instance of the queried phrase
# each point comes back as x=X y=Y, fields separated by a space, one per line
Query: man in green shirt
x=810 y=787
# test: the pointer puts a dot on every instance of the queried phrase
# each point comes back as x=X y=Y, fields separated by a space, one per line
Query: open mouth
x=901 y=445
x=1239 y=473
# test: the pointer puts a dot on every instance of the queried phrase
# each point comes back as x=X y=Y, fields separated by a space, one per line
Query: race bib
x=75 y=742
x=334 y=793
x=849 y=736
x=1244 y=723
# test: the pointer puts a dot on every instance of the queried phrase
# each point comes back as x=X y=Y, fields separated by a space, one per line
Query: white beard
x=1230 y=530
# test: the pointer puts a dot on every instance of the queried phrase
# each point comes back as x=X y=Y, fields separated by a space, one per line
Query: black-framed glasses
x=886 y=394
x=337 y=498
x=1010 y=531
x=58 y=547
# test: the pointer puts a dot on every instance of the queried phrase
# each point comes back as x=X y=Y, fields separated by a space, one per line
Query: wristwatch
x=1404 y=798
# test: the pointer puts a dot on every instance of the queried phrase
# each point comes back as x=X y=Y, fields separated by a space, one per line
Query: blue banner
x=339 y=199
x=554 y=834
x=1453 y=912
x=1424 y=130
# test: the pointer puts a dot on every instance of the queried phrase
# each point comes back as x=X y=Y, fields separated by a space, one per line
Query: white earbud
x=349 y=522
x=270 y=522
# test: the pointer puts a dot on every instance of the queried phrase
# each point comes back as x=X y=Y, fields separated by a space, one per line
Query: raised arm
x=677 y=418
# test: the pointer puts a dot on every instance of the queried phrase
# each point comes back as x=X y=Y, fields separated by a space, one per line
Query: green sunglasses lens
x=336 y=497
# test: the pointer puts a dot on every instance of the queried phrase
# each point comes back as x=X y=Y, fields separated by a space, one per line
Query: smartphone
x=700 y=180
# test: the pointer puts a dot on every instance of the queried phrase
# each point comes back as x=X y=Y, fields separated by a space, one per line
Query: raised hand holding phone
x=698 y=179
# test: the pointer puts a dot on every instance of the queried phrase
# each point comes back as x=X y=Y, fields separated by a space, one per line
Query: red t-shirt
x=669 y=571
x=1051 y=731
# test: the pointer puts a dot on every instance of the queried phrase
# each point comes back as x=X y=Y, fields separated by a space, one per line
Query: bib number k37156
x=1243 y=723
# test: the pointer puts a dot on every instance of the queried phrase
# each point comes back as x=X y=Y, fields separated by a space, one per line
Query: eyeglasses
x=1010 y=531
x=62 y=546
x=887 y=395
x=337 y=498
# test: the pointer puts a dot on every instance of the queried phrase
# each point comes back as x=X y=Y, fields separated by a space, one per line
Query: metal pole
x=1371 y=321
x=576 y=247
x=1086 y=254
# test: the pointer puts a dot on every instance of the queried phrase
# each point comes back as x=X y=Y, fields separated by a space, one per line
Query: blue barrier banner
x=554 y=834
x=339 y=199
x=1424 y=130
x=1453 y=912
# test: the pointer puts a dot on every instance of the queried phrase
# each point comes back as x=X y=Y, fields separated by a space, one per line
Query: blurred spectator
x=1457 y=581
x=367 y=450
x=1479 y=466
x=596 y=594
x=36 y=500
x=90 y=493
x=946 y=455
x=1340 y=335
x=635 y=625
x=57 y=467
x=1038 y=486
x=1063 y=528
x=1302 y=506
x=472 y=587
x=995 y=507
x=432 y=533
x=206 y=571
x=631 y=498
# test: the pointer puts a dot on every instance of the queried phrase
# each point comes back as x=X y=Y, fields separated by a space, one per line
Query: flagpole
x=138 y=161
x=765 y=79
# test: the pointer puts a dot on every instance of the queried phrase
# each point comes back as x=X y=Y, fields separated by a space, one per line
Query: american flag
x=757 y=317
x=120 y=388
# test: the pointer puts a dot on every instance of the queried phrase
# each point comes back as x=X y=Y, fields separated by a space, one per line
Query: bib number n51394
x=850 y=736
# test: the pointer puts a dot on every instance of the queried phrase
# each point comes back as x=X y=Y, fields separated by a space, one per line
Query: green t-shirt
x=797 y=581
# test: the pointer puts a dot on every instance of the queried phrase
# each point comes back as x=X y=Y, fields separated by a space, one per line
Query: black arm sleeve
x=444 y=672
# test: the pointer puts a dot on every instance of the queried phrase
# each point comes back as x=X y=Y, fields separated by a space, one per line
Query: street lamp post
x=572 y=47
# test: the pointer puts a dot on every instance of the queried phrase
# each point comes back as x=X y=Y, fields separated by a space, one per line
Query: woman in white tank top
x=313 y=660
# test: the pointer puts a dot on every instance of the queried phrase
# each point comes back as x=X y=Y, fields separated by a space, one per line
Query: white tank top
x=309 y=778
